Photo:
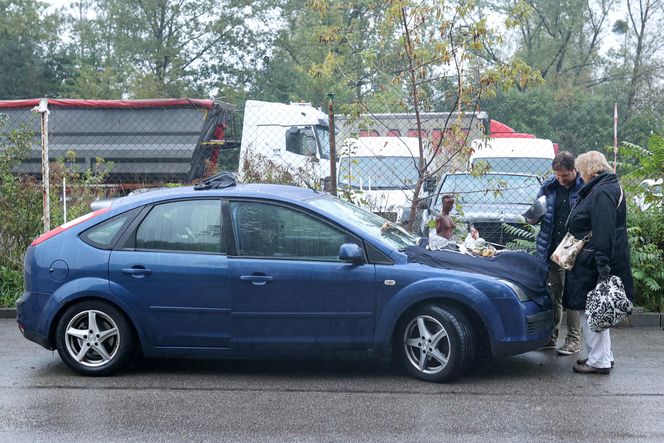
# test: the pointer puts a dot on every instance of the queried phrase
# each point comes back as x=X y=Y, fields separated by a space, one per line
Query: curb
x=7 y=313
x=636 y=320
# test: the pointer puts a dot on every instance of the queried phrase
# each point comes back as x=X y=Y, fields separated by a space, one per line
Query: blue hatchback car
x=261 y=271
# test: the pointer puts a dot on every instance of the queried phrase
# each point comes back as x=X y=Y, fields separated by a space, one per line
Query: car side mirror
x=350 y=252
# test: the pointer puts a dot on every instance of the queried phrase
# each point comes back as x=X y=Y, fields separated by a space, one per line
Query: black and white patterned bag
x=607 y=304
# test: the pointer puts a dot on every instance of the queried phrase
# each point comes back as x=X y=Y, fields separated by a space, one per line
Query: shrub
x=20 y=210
x=646 y=241
x=11 y=286
x=525 y=237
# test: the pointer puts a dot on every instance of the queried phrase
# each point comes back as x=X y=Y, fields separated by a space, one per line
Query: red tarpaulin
x=501 y=130
x=79 y=103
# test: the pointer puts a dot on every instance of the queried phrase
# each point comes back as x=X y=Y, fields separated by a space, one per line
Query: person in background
x=602 y=211
x=561 y=192
x=473 y=239
x=444 y=223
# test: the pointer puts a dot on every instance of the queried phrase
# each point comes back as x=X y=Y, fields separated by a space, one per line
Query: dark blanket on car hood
x=521 y=268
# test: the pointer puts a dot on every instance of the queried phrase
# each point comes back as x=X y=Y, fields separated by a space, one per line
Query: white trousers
x=598 y=345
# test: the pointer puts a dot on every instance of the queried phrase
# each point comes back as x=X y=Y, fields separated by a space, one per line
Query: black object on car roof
x=222 y=180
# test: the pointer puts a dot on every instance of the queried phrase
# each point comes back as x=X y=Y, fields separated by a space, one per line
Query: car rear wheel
x=436 y=343
x=94 y=338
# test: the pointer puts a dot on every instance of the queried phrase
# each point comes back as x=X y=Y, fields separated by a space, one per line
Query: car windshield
x=491 y=188
x=378 y=172
x=393 y=234
x=323 y=136
x=529 y=165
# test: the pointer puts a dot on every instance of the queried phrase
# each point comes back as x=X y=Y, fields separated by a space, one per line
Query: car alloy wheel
x=93 y=338
x=437 y=343
x=427 y=344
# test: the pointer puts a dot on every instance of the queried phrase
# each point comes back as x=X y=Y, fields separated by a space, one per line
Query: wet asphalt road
x=533 y=397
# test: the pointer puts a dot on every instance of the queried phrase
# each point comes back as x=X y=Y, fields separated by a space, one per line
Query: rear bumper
x=39 y=339
x=31 y=314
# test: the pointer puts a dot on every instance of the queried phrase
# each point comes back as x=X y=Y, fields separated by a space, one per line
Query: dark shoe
x=569 y=348
x=585 y=369
x=582 y=361
x=551 y=344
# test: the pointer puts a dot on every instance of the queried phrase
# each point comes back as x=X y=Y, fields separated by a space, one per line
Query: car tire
x=94 y=338
x=436 y=343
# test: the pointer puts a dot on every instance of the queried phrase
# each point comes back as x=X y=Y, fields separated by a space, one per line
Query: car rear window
x=104 y=234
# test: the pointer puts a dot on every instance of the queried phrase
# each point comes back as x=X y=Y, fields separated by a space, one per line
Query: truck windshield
x=393 y=234
x=490 y=188
x=323 y=136
x=525 y=165
x=378 y=172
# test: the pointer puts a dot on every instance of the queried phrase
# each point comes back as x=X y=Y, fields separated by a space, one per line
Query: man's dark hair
x=447 y=196
x=563 y=160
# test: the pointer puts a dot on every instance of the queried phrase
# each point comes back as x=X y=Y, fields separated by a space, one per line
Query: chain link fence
x=490 y=162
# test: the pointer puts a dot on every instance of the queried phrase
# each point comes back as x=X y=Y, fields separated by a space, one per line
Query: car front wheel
x=436 y=343
x=94 y=338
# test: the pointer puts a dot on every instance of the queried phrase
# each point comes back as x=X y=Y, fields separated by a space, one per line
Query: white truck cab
x=382 y=171
x=513 y=155
x=293 y=137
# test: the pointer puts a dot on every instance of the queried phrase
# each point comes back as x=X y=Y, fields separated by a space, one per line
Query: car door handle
x=258 y=280
x=137 y=271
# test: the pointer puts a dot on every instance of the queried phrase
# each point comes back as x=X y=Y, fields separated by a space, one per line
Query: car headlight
x=517 y=289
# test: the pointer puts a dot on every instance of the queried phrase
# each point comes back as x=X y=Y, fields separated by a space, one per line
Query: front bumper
x=539 y=327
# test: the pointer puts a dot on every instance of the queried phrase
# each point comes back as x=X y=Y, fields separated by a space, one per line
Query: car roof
x=286 y=193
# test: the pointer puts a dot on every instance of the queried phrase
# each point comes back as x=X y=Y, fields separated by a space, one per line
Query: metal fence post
x=42 y=109
x=333 y=150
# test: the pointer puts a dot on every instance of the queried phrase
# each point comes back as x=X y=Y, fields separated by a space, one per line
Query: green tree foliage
x=27 y=38
x=426 y=54
x=160 y=48
x=575 y=118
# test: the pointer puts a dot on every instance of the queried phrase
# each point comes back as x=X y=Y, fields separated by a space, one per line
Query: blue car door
x=173 y=267
x=290 y=290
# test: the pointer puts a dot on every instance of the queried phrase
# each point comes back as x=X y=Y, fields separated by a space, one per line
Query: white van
x=513 y=155
x=293 y=138
x=383 y=170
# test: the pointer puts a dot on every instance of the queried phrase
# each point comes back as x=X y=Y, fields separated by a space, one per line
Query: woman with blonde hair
x=600 y=211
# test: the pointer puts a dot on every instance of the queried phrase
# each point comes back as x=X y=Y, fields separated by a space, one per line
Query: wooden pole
x=333 y=150
x=42 y=109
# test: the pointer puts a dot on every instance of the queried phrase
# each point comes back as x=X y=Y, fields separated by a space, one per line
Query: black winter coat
x=597 y=210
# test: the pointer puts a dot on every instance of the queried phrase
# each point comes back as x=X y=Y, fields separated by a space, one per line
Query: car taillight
x=69 y=224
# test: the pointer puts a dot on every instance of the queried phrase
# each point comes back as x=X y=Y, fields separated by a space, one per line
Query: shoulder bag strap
x=621 y=197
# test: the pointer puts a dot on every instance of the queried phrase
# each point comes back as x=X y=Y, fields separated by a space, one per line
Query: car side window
x=268 y=230
x=189 y=225
x=103 y=234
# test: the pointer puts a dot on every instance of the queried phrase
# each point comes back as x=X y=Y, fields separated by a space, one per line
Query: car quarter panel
x=92 y=287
